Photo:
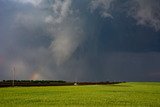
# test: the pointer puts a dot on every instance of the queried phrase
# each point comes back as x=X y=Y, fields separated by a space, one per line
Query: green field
x=133 y=94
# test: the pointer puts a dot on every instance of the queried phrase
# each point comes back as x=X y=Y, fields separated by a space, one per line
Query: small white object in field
x=75 y=83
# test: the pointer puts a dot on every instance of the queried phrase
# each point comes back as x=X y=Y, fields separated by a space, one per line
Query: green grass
x=134 y=94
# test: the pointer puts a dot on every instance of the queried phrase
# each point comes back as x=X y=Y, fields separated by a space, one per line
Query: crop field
x=132 y=94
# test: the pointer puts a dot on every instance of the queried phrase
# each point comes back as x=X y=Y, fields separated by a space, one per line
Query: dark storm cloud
x=42 y=36
x=145 y=12
x=75 y=40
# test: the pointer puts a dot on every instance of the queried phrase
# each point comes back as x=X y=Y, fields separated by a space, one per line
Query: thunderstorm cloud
x=80 y=40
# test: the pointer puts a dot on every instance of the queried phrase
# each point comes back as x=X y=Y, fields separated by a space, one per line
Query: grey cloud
x=53 y=39
x=145 y=12
x=104 y=5
x=65 y=43
x=66 y=30
x=32 y=2
x=60 y=9
x=66 y=36
x=32 y=57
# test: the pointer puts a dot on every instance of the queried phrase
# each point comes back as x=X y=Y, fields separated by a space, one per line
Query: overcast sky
x=80 y=40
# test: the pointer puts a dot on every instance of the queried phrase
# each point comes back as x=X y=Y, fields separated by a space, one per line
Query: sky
x=80 y=40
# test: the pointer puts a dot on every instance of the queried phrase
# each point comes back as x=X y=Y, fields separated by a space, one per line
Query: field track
x=132 y=94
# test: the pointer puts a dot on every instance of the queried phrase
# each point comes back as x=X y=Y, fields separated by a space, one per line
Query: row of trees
x=8 y=83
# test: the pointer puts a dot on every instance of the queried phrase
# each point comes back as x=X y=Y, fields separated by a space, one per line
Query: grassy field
x=134 y=94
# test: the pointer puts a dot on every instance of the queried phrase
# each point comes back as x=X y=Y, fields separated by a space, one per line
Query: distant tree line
x=9 y=83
